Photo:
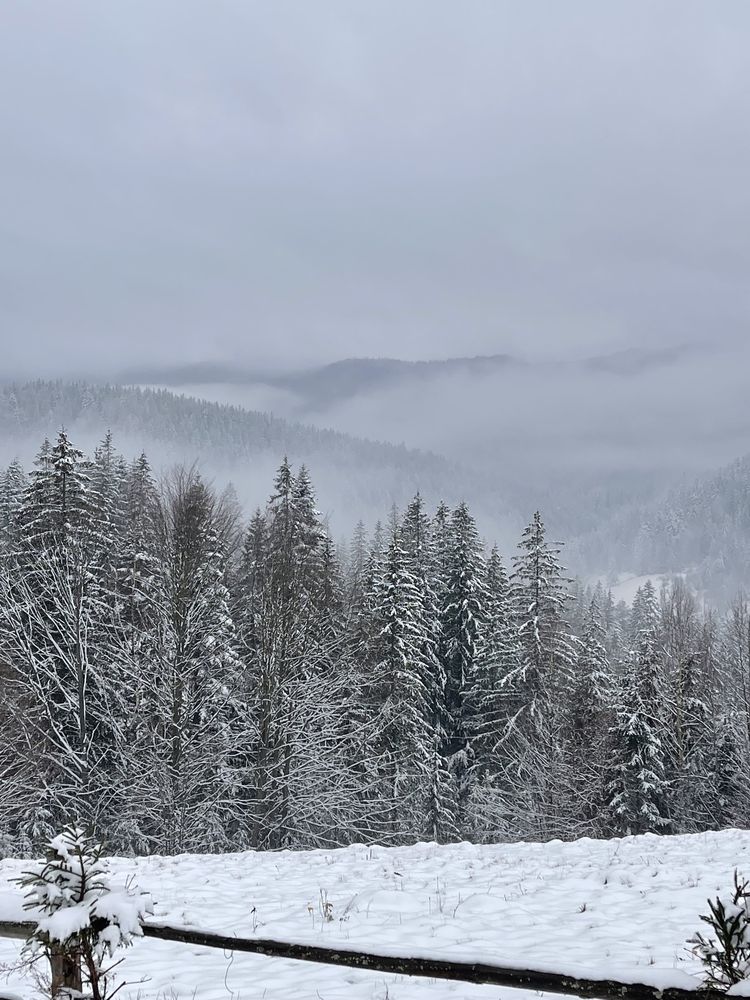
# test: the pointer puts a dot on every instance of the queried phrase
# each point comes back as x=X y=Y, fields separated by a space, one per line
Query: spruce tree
x=489 y=699
x=463 y=614
x=13 y=485
x=491 y=705
x=441 y=805
x=108 y=493
x=638 y=793
x=402 y=745
x=539 y=596
x=190 y=743
x=60 y=639
x=588 y=720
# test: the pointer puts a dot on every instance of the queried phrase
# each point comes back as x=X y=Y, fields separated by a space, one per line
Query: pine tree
x=294 y=643
x=590 y=694
x=309 y=534
x=644 y=614
x=441 y=805
x=637 y=790
x=441 y=551
x=490 y=704
x=108 y=499
x=539 y=598
x=137 y=560
x=13 y=485
x=72 y=511
x=463 y=614
x=59 y=640
x=489 y=699
x=186 y=791
x=355 y=566
x=589 y=718
x=694 y=737
x=731 y=806
x=402 y=746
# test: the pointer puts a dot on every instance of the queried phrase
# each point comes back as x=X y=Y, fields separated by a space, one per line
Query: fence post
x=66 y=971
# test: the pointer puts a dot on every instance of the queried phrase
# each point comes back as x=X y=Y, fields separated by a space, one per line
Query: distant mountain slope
x=634 y=361
x=701 y=529
x=319 y=388
x=355 y=477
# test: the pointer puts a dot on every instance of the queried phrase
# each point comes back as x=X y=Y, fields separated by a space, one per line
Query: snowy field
x=620 y=908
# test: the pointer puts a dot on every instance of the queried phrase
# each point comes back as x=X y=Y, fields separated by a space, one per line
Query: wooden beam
x=19 y=930
x=493 y=975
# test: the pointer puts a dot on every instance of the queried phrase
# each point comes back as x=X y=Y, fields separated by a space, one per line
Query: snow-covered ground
x=619 y=908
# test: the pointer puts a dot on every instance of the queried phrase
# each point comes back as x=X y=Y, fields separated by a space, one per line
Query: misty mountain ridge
x=320 y=387
x=629 y=414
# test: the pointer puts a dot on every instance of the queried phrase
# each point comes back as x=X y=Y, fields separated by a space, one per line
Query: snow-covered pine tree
x=441 y=549
x=539 y=596
x=299 y=776
x=441 y=805
x=13 y=485
x=84 y=919
x=644 y=614
x=731 y=806
x=271 y=638
x=688 y=682
x=58 y=639
x=490 y=704
x=355 y=566
x=310 y=535
x=401 y=739
x=108 y=503
x=590 y=694
x=462 y=618
x=588 y=721
x=248 y=589
x=613 y=616
x=489 y=699
x=638 y=793
x=185 y=758
x=694 y=737
x=138 y=559
x=57 y=510
x=363 y=700
x=136 y=627
x=538 y=686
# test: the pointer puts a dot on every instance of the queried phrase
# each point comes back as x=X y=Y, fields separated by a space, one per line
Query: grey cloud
x=297 y=181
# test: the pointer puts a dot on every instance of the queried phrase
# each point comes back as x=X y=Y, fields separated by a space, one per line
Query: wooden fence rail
x=467 y=972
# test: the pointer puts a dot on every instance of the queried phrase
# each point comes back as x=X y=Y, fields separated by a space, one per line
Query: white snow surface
x=603 y=909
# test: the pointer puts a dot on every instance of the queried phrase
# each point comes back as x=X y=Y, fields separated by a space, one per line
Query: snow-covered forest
x=181 y=680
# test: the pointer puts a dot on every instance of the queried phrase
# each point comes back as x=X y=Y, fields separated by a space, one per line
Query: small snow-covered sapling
x=726 y=955
x=82 y=919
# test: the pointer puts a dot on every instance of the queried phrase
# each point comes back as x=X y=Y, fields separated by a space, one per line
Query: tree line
x=178 y=680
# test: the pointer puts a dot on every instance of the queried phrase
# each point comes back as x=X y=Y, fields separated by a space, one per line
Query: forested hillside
x=701 y=530
x=614 y=520
x=356 y=477
x=182 y=678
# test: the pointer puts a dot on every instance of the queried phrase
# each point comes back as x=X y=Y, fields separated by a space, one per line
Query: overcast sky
x=291 y=182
